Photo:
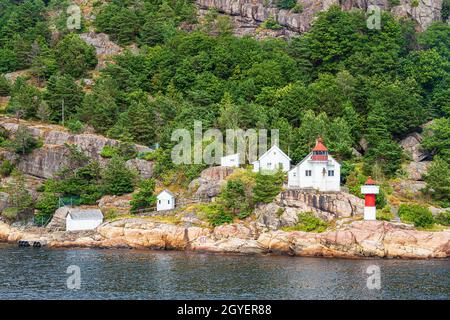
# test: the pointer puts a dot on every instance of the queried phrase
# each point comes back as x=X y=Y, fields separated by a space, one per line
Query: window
x=159 y=201
x=294 y=174
x=168 y=201
x=308 y=173
x=269 y=164
x=331 y=173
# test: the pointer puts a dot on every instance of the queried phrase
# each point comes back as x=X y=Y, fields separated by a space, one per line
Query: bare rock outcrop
x=210 y=182
x=44 y=162
x=418 y=167
x=326 y=205
x=248 y=15
x=104 y=47
x=119 y=204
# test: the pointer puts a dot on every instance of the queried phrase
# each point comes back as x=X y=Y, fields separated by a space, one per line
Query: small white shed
x=272 y=160
x=231 y=160
x=83 y=219
x=165 y=200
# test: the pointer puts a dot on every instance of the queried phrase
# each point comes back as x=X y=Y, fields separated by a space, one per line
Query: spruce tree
x=117 y=178
x=382 y=150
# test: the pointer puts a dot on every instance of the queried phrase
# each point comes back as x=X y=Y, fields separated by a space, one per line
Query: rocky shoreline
x=357 y=239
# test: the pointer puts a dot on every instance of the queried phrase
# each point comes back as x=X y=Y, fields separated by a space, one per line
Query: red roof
x=319 y=145
x=370 y=181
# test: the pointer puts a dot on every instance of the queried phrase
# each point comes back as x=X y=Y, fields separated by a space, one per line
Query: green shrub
x=6 y=168
x=75 y=126
x=309 y=223
x=108 y=151
x=5 y=86
x=271 y=24
x=443 y=218
x=298 y=8
x=11 y=213
x=235 y=198
x=216 y=215
x=23 y=141
x=385 y=214
x=414 y=3
x=393 y=3
x=418 y=215
x=111 y=214
x=286 y=4
x=47 y=204
x=125 y=150
x=145 y=197
x=117 y=178
x=267 y=187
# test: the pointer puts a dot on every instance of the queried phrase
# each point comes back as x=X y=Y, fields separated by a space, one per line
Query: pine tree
x=438 y=180
x=267 y=187
x=63 y=96
x=234 y=197
x=145 y=197
x=117 y=178
x=99 y=107
x=229 y=113
x=382 y=150
x=74 y=56
x=25 y=99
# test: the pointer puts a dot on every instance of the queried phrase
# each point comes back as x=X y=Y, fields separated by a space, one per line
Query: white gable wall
x=273 y=159
x=297 y=177
x=165 y=201
x=230 y=161
x=85 y=224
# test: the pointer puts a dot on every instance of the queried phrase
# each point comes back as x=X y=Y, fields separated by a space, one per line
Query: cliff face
x=247 y=15
x=44 y=162
x=283 y=212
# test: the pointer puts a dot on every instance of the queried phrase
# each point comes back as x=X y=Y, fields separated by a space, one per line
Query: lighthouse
x=370 y=190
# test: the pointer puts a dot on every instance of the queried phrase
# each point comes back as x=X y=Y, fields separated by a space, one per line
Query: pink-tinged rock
x=235 y=230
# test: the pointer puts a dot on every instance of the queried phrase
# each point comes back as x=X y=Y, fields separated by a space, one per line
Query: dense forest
x=340 y=80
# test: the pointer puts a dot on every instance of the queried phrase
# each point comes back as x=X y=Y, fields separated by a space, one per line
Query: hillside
x=135 y=71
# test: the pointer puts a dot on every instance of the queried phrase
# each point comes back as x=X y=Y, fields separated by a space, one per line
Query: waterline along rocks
x=353 y=240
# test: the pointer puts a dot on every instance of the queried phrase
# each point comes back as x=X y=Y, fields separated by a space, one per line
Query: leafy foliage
x=145 y=197
x=117 y=178
x=438 y=181
x=267 y=186
x=419 y=216
x=309 y=223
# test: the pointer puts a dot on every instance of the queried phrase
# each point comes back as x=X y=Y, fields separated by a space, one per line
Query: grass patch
x=309 y=223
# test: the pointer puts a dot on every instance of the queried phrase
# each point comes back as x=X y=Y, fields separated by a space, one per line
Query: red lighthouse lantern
x=320 y=152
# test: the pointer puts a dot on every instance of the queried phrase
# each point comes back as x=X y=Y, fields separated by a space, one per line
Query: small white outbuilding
x=83 y=219
x=231 y=160
x=272 y=160
x=165 y=200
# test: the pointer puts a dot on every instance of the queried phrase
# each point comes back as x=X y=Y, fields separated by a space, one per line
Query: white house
x=272 y=160
x=83 y=219
x=231 y=160
x=165 y=200
x=318 y=170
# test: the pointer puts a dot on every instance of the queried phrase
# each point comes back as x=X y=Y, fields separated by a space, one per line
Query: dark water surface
x=27 y=273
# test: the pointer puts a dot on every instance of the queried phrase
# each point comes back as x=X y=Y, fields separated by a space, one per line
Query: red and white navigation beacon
x=370 y=190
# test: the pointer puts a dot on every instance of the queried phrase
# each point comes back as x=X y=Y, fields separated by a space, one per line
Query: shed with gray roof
x=83 y=219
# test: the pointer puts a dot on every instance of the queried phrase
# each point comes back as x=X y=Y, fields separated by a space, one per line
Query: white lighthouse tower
x=370 y=190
